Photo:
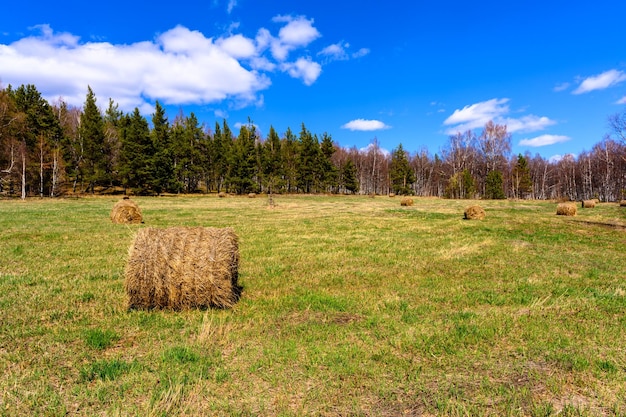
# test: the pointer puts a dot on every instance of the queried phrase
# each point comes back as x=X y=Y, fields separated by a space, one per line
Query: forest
x=55 y=149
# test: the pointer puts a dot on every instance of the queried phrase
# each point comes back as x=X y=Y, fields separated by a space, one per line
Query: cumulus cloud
x=305 y=69
x=180 y=66
x=365 y=125
x=476 y=115
x=544 y=140
x=298 y=32
x=600 y=82
x=339 y=52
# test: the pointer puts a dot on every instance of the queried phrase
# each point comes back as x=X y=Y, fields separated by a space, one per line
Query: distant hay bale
x=252 y=195
x=126 y=212
x=392 y=194
x=589 y=203
x=181 y=268
x=474 y=213
x=406 y=201
x=622 y=203
x=222 y=194
x=566 y=209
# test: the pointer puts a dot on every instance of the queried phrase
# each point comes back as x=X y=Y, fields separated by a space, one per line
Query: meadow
x=351 y=306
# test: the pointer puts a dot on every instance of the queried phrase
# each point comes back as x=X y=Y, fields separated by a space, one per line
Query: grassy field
x=351 y=306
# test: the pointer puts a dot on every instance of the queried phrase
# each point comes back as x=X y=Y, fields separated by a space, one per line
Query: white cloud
x=561 y=87
x=365 y=125
x=335 y=52
x=476 y=115
x=558 y=158
x=361 y=52
x=371 y=147
x=180 y=66
x=298 y=32
x=600 y=82
x=544 y=140
x=231 y=6
x=304 y=68
x=621 y=100
x=238 y=46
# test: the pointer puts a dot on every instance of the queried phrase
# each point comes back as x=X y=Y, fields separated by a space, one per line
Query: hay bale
x=222 y=194
x=181 y=268
x=392 y=194
x=566 y=209
x=622 y=203
x=589 y=203
x=406 y=201
x=126 y=212
x=474 y=213
x=252 y=195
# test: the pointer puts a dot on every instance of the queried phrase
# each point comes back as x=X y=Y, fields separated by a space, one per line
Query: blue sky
x=410 y=72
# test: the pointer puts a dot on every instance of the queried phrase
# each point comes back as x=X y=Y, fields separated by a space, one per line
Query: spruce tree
x=308 y=157
x=494 y=186
x=162 y=161
x=327 y=170
x=91 y=131
x=136 y=154
x=349 y=177
x=400 y=172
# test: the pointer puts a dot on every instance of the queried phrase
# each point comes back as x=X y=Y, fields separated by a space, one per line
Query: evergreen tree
x=521 y=177
x=289 y=151
x=162 y=161
x=187 y=140
x=327 y=170
x=349 y=177
x=136 y=154
x=400 y=173
x=244 y=159
x=91 y=131
x=494 y=186
x=222 y=151
x=308 y=157
x=272 y=161
x=112 y=141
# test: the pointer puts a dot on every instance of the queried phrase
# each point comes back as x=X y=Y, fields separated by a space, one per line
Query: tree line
x=54 y=149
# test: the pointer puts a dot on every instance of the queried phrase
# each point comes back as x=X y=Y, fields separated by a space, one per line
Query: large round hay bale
x=406 y=201
x=589 y=203
x=251 y=195
x=474 y=213
x=126 y=212
x=222 y=194
x=566 y=209
x=622 y=203
x=392 y=195
x=183 y=268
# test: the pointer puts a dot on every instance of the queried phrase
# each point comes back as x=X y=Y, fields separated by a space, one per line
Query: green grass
x=350 y=306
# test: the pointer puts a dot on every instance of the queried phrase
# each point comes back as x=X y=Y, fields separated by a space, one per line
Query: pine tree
x=136 y=154
x=349 y=177
x=521 y=177
x=327 y=170
x=400 y=173
x=308 y=157
x=244 y=159
x=289 y=151
x=91 y=131
x=272 y=161
x=493 y=186
x=162 y=162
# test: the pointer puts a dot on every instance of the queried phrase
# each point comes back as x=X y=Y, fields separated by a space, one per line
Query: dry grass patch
x=183 y=267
